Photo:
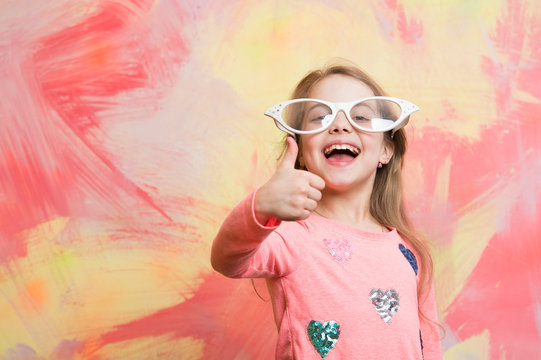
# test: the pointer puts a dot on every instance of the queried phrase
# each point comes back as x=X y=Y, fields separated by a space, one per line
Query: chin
x=340 y=186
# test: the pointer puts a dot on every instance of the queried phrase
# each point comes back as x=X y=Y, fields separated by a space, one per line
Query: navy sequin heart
x=323 y=336
x=409 y=256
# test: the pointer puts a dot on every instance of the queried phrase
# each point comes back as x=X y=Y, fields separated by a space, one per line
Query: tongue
x=337 y=157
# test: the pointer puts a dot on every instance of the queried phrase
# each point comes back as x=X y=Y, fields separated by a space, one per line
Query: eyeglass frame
x=407 y=108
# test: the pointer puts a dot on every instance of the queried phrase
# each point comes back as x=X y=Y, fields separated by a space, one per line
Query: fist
x=290 y=194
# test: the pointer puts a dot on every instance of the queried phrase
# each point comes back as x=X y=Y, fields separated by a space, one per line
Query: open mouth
x=341 y=152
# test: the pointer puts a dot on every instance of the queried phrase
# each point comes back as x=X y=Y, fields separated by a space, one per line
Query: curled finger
x=310 y=205
x=314 y=194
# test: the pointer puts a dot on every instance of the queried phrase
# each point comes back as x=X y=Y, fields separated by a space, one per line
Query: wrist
x=261 y=214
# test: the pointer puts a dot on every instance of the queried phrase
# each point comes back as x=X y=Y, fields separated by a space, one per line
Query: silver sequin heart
x=386 y=303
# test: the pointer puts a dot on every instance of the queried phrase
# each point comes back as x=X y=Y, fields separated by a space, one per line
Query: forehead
x=340 y=88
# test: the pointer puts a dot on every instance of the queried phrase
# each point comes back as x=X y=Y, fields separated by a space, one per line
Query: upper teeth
x=353 y=149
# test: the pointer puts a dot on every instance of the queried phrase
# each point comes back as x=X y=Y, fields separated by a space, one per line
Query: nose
x=340 y=124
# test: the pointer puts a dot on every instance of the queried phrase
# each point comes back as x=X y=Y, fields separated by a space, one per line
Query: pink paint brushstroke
x=50 y=149
x=394 y=22
x=502 y=292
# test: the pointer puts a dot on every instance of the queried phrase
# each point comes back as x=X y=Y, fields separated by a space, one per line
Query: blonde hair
x=386 y=200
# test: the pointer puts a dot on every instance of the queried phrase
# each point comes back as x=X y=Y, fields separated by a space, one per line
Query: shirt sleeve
x=430 y=331
x=244 y=248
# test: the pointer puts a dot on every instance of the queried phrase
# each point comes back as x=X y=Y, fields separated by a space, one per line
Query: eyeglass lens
x=375 y=114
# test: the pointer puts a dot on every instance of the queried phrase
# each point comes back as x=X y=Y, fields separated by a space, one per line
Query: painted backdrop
x=129 y=128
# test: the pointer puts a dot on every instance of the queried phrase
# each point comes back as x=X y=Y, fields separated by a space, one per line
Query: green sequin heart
x=323 y=336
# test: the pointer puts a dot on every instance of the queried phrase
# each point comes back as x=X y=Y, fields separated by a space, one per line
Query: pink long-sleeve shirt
x=337 y=292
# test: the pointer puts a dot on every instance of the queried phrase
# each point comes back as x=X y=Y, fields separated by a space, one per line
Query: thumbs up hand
x=290 y=194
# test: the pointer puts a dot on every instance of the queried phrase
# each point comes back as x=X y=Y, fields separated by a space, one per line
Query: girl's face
x=342 y=155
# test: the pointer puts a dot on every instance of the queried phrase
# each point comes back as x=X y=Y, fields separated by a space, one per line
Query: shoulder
x=294 y=228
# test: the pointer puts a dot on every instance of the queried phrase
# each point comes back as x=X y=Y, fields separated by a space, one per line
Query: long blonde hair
x=386 y=200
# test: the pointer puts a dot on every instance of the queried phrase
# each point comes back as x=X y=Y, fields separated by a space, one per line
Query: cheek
x=372 y=143
x=307 y=147
x=303 y=153
x=309 y=156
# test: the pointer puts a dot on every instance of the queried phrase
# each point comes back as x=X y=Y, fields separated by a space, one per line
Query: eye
x=360 y=119
x=318 y=119
x=362 y=112
x=317 y=115
x=317 y=112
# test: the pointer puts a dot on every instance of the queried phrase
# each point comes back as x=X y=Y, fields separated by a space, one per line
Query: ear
x=387 y=152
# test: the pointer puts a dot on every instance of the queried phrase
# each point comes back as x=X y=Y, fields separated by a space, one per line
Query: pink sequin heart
x=339 y=249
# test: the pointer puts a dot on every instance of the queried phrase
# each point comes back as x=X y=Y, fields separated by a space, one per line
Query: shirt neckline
x=391 y=234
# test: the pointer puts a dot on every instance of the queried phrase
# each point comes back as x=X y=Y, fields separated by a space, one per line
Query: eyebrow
x=316 y=104
x=364 y=104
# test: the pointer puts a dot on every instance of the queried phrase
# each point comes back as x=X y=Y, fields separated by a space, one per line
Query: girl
x=348 y=276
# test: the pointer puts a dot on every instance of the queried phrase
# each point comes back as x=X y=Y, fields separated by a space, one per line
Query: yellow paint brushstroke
x=441 y=192
x=526 y=97
x=26 y=295
x=89 y=288
x=476 y=347
x=268 y=46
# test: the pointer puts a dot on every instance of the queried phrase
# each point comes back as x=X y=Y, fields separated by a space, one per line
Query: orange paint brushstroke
x=35 y=293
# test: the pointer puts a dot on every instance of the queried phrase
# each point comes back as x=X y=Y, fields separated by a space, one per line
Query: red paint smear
x=410 y=31
x=225 y=313
x=49 y=167
x=32 y=192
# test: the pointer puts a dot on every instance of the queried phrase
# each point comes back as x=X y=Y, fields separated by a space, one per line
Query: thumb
x=291 y=154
